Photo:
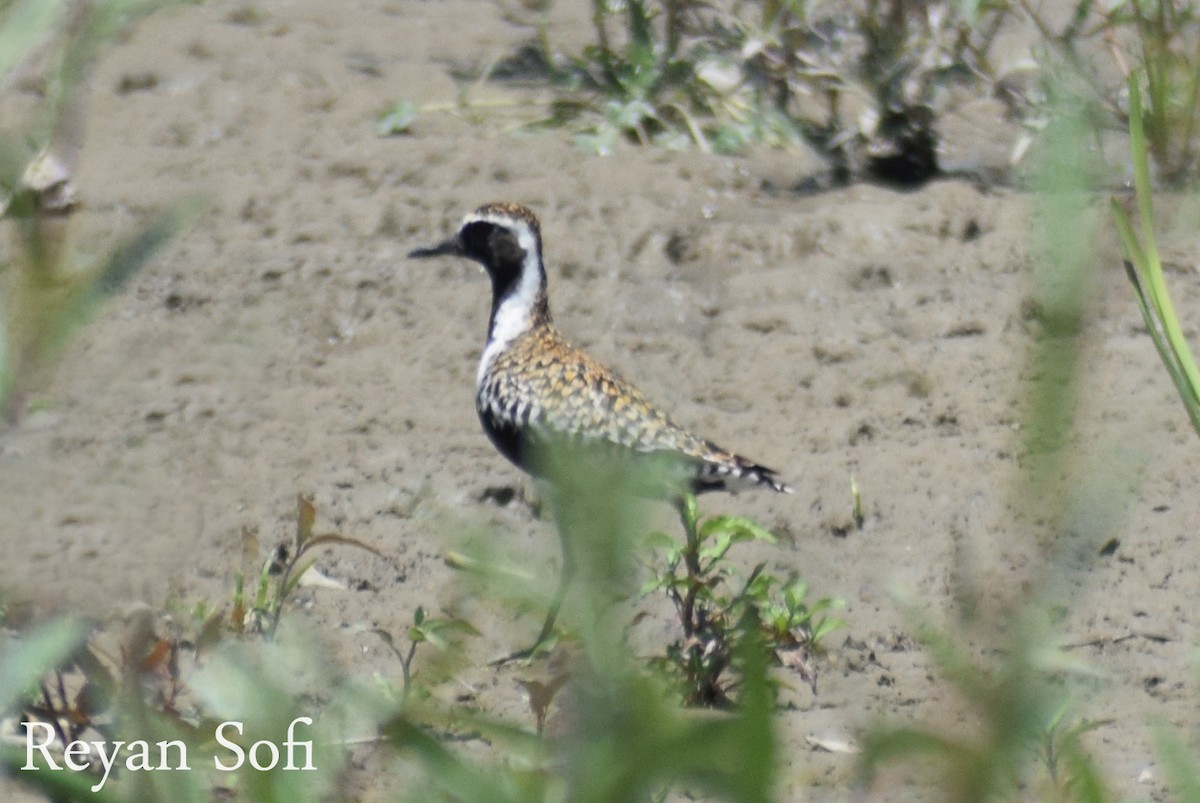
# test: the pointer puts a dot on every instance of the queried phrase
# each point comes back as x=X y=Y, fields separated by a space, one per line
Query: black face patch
x=496 y=247
x=474 y=237
x=505 y=248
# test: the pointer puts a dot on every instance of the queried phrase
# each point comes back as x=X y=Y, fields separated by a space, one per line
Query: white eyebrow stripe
x=524 y=232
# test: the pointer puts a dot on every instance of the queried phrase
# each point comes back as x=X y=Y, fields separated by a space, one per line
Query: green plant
x=1160 y=41
x=720 y=615
x=397 y=119
x=165 y=723
x=439 y=632
x=864 y=85
x=1145 y=272
x=183 y=680
x=283 y=572
x=626 y=737
x=856 y=509
x=1170 y=57
x=646 y=79
x=1072 y=772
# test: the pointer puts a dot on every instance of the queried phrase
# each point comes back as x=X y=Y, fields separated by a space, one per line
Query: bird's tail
x=730 y=472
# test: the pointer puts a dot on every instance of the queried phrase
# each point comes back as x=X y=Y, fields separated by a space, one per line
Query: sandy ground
x=285 y=345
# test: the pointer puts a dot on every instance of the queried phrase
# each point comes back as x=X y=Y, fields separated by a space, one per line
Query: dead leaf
x=832 y=744
x=313 y=577
x=306 y=514
x=541 y=695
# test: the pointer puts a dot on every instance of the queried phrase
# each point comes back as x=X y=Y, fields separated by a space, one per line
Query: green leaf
x=396 y=120
x=435 y=638
x=759 y=585
x=794 y=594
x=827 y=603
x=1179 y=762
x=629 y=115
x=659 y=540
x=741 y=528
x=653 y=584
x=716 y=549
x=1147 y=274
x=458 y=625
x=640 y=34
x=689 y=513
x=1159 y=339
x=264 y=585
x=384 y=636
x=824 y=627
x=294 y=580
x=306 y=516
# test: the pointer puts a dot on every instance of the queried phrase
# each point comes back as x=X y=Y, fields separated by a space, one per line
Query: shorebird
x=536 y=393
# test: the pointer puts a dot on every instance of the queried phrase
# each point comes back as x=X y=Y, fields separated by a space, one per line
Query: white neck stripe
x=514 y=316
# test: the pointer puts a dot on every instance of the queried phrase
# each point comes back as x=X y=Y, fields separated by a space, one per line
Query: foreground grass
x=222 y=689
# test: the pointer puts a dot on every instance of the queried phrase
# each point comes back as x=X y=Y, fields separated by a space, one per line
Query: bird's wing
x=552 y=391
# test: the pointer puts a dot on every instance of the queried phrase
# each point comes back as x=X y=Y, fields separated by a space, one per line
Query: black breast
x=504 y=435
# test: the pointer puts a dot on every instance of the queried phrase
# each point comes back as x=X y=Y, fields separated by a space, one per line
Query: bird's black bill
x=451 y=247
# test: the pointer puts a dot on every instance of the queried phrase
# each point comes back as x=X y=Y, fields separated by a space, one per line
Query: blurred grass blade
x=7 y=379
x=24 y=661
x=1181 y=767
x=1145 y=269
x=1160 y=342
x=883 y=746
x=61 y=312
x=57 y=785
x=127 y=259
x=448 y=774
x=23 y=27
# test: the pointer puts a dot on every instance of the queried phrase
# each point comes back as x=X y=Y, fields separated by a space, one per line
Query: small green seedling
x=396 y=120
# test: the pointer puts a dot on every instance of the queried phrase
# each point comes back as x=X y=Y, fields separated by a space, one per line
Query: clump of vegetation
x=861 y=85
x=283 y=571
x=1160 y=43
x=721 y=615
x=868 y=85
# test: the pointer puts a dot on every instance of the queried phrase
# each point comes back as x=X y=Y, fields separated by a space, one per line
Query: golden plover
x=535 y=389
